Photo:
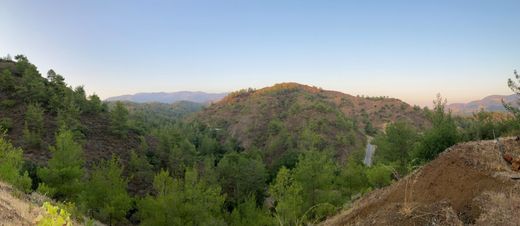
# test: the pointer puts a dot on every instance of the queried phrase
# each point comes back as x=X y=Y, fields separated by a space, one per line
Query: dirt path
x=369 y=151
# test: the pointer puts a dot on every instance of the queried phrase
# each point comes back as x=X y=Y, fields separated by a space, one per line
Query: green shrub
x=5 y=104
x=46 y=190
x=11 y=162
x=379 y=175
x=105 y=195
x=6 y=124
x=54 y=215
x=119 y=120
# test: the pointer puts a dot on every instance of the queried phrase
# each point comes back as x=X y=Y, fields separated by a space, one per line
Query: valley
x=288 y=154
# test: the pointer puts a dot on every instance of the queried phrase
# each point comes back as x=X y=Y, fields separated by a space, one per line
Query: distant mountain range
x=163 y=97
x=490 y=103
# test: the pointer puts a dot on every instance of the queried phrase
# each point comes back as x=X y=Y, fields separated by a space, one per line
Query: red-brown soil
x=468 y=184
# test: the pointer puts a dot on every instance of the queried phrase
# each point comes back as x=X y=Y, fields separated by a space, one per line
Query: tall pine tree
x=62 y=177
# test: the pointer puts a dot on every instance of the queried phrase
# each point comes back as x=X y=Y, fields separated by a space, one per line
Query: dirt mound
x=468 y=184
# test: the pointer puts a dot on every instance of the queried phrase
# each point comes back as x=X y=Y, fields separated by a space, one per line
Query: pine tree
x=514 y=85
x=247 y=213
x=62 y=177
x=69 y=116
x=315 y=172
x=119 y=119
x=181 y=156
x=33 y=127
x=187 y=201
x=140 y=169
x=105 y=195
x=396 y=145
x=442 y=135
x=287 y=195
x=7 y=82
x=240 y=176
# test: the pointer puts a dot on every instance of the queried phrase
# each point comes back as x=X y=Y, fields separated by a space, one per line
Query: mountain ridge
x=169 y=97
x=489 y=103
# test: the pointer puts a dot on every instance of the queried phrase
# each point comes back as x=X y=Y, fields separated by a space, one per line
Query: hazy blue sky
x=407 y=49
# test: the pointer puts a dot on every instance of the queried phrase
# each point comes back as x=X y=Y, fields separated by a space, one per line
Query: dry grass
x=408 y=206
x=499 y=208
x=15 y=209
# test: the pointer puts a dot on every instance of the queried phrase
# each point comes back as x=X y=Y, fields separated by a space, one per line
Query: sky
x=410 y=50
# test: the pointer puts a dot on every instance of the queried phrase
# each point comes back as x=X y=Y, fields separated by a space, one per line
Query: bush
x=442 y=135
x=11 y=163
x=6 y=124
x=5 y=104
x=54 y=215
x=379 y=175
x=6 y=80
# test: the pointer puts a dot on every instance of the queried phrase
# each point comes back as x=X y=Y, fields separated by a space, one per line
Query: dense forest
x=284 y=155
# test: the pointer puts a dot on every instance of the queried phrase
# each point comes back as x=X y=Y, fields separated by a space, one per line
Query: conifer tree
x=33 y=127
x=514 y=85
x=187 y=201
x=105 y=195
x=287 y=195
x=442 y=135
x=240 y=176
x=247 y=213
x=315 y=172
x=62 y=177
x=119 y=119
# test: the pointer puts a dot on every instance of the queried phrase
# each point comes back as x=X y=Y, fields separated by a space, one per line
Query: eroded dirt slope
x=468 y=184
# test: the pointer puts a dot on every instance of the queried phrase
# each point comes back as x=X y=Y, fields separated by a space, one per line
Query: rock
x=508 y=157
x=515 y=165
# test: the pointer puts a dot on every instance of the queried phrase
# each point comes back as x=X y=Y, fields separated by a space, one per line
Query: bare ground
x=468 y=184
x=17 y=208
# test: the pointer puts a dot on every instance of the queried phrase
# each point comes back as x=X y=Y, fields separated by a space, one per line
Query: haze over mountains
x=490 y=103
x=170 y=97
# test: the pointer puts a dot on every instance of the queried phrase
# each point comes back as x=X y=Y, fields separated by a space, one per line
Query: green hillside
x=288 y=154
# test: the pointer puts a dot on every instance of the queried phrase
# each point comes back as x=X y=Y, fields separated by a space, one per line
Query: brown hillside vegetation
x=338 y=119
x=469 y=183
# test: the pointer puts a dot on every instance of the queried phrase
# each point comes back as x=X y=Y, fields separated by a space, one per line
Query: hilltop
x=469 y=183
x=338 y=121
x=169 y=98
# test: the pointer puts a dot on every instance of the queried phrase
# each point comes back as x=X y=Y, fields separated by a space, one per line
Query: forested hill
x=287 y=117
x=34 y=107
x=287 y=154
